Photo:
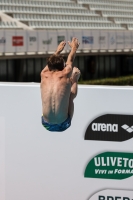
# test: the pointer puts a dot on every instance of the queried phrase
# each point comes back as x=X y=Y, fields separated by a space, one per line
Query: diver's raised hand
x=74 y=43
x=60 y=47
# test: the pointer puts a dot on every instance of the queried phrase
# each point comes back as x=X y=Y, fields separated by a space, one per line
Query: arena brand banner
x=112 y=40
x=103 y=40
x=2 y=41
x=87 y=39
x=43 y=41
x=110 y=127
x=53 y=40
x=2 y=158
x=32 y=42
x=9 y=47
x=109 y=194
x=96 y=35
x=20 y=41
x=127 y=40
x=120 y=42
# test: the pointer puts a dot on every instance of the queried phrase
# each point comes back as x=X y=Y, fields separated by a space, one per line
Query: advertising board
x=40 y=164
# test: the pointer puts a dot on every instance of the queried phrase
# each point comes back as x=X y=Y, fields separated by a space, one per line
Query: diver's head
x=55 y=62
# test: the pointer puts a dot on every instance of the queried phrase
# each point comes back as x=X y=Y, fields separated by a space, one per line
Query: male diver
x=59 y=88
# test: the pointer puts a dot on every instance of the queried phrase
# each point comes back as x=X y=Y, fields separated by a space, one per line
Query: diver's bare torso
x=55 y=92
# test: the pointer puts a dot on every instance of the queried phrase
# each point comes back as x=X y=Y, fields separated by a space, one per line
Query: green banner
x=110 y=165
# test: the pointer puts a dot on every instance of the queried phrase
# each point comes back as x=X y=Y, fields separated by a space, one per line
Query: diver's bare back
x=55 y=92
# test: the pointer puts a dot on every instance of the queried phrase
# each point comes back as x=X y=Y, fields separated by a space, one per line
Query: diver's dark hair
x=55 y=62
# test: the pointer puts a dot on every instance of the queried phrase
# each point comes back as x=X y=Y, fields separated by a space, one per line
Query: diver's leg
x=74 y=89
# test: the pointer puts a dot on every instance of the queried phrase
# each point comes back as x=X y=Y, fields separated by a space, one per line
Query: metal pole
x=7 y=71
x=26 y=62
x=34 y=70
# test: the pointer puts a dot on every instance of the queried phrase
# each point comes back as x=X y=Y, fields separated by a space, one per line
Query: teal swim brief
x=57 y=127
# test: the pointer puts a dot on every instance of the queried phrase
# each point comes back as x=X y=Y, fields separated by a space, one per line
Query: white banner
x=127 y=39
x=10 y=47
x=2 y=41
x=43 y=41
x=32 y=41
x=119 y=40
x=93 y=154
x=87 y=39
x=103 y=40
x=20 y=41
x=95 y=34
x=48 y=40
x=53 y=40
